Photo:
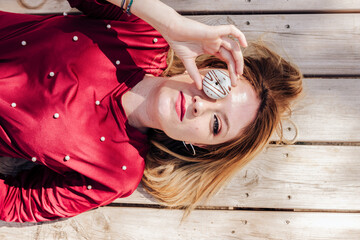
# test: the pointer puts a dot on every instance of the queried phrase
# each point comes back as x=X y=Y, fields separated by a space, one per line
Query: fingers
x=193 y=71
x=227 y=57
x=234 y=48
x=235 y=32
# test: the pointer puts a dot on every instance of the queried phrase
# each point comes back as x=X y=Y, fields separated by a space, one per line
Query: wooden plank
x=315 y=42
x=327 y=112
x=36 y=6
x=264 y=5
x=145 y=223
x=233 y=6
x=320 y=44
x=290 y=177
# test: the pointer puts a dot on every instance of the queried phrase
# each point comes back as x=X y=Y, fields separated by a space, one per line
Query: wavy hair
x=180 y=180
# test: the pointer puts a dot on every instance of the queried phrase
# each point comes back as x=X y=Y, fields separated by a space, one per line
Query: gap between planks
x=273 y=143
x=224 y=208
x=267 y=12
x=338 y=76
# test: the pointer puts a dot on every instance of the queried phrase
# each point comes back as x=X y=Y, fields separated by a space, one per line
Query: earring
x=192 y=148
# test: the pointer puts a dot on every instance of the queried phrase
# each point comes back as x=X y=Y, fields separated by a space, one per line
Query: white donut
x=216 y=84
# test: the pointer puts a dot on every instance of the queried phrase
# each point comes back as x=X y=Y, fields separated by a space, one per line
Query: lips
x=180 y=106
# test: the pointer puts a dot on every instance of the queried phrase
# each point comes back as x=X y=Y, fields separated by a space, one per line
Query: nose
x=200 y=105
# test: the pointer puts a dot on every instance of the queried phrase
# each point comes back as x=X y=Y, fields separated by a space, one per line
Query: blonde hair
x=179 y=180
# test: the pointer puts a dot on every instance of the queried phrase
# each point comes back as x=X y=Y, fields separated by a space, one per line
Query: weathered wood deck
x=308 y=190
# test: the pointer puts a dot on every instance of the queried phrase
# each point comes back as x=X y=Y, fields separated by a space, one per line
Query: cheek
x=197 y=124
x=162 y=104
x=191 y=129
x=162 y=109
x=200 y=129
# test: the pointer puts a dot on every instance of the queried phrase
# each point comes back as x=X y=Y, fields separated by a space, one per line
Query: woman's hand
x=189 y=39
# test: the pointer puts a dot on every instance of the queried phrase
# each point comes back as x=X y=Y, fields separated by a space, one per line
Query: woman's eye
x=216 y=125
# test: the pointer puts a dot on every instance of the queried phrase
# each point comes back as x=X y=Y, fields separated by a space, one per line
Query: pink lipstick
x=180 y=106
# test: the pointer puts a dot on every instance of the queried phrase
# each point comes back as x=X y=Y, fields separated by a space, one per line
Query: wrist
x=161 y=16
x=128 y=6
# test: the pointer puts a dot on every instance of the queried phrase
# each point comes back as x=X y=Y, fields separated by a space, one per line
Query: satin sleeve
x=41 y=194
x=99 y=9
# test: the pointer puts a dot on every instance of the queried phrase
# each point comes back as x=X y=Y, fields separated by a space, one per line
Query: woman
x=82 y=98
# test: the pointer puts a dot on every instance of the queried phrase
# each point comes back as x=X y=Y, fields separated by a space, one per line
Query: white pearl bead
x=117 y=62
x=124 y=168
x=75 y=38
x=52 y=74
x=102 y=139
x=89 y=187
x=56 y=115
x=33 y=159
x=23 y=43
x=13 y=104
x=155 y=40
x=97 y=102
x=67 y=158
x=65 y=14
x=108 y=26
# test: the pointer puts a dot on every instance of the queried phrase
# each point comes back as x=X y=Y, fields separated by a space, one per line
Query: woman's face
x=186 y=114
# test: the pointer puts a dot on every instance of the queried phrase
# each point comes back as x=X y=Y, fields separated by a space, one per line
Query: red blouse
x=61 y=82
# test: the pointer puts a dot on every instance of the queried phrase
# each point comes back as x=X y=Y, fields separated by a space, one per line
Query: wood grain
x=329 y=111
x=297 y=177
x=208 y=6
x=144 y=223
x=264 y=6
x=290 y=177
x=36 y=6
x=320 y=44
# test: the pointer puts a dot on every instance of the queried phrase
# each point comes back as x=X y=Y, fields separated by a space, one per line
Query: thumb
x=193 y=71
